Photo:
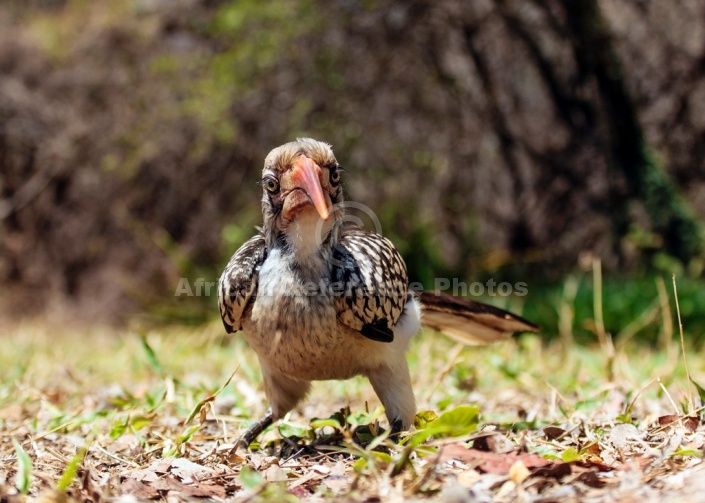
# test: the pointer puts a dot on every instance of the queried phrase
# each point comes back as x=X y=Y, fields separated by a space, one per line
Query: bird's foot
x=253 y=431
x=396 y=430
x=397 y=426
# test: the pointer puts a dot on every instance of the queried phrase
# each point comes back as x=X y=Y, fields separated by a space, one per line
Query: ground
x=96 y=414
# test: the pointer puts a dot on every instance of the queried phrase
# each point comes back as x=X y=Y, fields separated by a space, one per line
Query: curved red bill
x=304 y=174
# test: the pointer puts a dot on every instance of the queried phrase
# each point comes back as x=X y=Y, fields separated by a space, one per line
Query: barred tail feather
x=468 y=321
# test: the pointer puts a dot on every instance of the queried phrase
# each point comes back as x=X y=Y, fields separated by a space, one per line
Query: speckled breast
x=294 y=329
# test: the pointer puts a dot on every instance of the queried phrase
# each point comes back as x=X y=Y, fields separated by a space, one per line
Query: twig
x=428 y=471
x=604 y=339
x=642 y=321
x=216 y=477
x=566 y=312
x=452 y=361
x=307 y=477
x=25 y=194
x=296 y=454
x=202 y=403
x=325 y=454
x=57 y=455
x=695 y=413
x=597 y=301
x=630 y=406
x=116 y=458
x=206 y=454
x=658 y=379
x=667 y=335
x=691 y=403
x=47 y=433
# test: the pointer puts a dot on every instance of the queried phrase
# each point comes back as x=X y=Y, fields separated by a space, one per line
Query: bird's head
x=301 y=183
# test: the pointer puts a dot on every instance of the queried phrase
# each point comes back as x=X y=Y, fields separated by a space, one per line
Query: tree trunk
x=670 y=215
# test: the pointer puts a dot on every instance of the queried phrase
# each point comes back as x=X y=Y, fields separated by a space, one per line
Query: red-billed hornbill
x=318 y=298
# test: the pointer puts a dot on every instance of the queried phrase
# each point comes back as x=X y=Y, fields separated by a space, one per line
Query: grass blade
x=71 y=470
x=691 y=403
x=197 y=408
x=151 y=356
x=23 y=480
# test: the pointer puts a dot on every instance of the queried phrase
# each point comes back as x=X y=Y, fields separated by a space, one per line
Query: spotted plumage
x=238 y=285
x=373 y=283
x=321 y=299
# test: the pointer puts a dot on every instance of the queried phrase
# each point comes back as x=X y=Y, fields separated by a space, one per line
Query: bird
x=320 y=298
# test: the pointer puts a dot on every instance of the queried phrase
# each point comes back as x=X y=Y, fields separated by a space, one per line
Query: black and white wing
x=370 y=282
x=238 y=283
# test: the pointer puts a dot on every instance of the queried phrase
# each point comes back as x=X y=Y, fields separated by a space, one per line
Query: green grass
x=625 y=300
x=87 y=402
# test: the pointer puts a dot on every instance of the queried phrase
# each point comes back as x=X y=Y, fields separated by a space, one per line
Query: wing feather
x=238 y=283
x=371 y=283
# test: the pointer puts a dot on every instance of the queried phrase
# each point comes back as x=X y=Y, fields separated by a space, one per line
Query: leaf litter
x=535 y=422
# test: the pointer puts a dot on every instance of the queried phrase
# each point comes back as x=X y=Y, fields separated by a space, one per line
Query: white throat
x=306 y=234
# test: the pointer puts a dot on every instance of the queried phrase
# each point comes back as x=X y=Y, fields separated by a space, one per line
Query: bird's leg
x=396 y=427
x=393 y=387
x=253 y=431
x=283 y=394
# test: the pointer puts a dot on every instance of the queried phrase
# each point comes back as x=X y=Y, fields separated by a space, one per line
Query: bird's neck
x=307 y=241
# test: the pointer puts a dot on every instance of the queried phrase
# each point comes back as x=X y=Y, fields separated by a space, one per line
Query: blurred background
x=507 y=139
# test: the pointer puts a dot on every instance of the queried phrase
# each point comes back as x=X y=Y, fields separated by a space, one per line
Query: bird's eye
x=334 y=176
x=271 y=184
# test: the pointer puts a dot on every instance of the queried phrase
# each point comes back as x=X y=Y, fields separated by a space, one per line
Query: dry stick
x=630 y=406
x=211 y=405
x=691 y=404
x=566 y=313
x=429 y=470
x=680 y=420
x=668 y=395
x=57 y=455
x=115 y=457
x=605 y=341
x=667 y=337
x=665 y=340
x=47 y=433
x=642 y=321
x=452 y=362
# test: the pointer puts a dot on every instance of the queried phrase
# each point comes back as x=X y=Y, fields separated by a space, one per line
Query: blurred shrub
x=131 y=134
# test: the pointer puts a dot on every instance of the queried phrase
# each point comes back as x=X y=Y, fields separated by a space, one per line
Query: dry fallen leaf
x=172 y=475
x=622 y=434
x=553 y=432
x=186 y=470
x=139 y=490
x=554 y=471
x=196 y=490
x=468 y=478
x=690 y=423
x=336 y=484
x=129 y=467
x=275 y=474
x=494 y=443
x=490 y=462
x=518 y=472
x=590 y=478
